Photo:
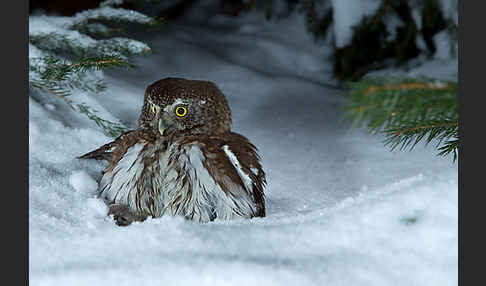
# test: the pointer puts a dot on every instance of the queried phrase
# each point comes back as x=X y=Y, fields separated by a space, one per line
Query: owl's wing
x=236 y=159
x=105 y=152
x=249 y=163
x=102 y=153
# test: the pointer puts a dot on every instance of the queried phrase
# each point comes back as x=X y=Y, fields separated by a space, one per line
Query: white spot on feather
x=176 y=102
x=254 y=171
x=234 y=161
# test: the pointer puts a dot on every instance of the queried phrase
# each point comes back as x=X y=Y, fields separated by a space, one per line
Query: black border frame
x=15 y=118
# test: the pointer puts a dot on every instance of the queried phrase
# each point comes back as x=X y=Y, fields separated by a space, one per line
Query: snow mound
x=82 y=182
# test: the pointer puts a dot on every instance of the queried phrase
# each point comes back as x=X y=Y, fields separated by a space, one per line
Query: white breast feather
x=206 y=195
x=117 y=184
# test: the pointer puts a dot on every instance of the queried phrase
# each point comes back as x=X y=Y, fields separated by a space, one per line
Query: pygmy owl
x=182 y=159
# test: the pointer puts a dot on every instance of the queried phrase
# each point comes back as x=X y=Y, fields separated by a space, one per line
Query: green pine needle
x=69 y=57
x=407 y=111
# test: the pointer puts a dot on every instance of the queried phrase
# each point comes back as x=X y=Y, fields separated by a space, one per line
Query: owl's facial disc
x=183 y=116
x=170 y=118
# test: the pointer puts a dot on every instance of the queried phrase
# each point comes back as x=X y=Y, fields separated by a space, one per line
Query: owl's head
x=180 y=106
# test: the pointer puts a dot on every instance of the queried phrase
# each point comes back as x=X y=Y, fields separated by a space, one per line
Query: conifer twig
x=407 y=111
x=67 y=58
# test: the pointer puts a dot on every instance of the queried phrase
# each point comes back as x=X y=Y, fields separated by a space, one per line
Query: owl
x=182 y=159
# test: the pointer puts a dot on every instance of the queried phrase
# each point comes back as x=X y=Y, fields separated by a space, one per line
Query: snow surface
x=450 y=9
x=347 y=14
x=341 y=208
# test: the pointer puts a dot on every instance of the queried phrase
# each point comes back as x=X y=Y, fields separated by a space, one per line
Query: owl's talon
x=121 y=221
x=122 y=215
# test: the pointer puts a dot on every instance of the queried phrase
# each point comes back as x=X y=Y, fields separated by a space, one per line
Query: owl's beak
x=161 y=126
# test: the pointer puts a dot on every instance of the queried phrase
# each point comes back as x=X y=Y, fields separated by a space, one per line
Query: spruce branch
x=62 y=76
x=407 y=111
x=100 y=63
x=408 y=135
x=65 y=45
x=112 y=129
x=111 y=3
x=65 y=59
x=451 y=146
x=54 y=90
x=53 y=69
x=108 y=13
x=59 y=77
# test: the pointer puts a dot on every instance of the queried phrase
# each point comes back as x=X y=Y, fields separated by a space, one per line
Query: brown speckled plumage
x=192 y=166
x=162 y=92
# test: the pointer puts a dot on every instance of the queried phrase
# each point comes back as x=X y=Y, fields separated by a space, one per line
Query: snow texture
x=442 y=42
x=109 y=13
x=107 y=3
x=341 y=208
x=347 y=14
x=450 y=10
x=82 y=182
x=41 y=25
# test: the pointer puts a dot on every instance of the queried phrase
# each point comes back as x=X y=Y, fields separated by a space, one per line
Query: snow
x=393 y=22
x=109 y=13
x=442 y=42
x=341 y=208
x=444 y=65
x=45 y=26
x=450 y=10
x=347 y=14
x=82 y=182
x=111 y=3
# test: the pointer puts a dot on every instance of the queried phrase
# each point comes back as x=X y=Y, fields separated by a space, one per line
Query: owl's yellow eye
x=153 y=109
x=181 y=111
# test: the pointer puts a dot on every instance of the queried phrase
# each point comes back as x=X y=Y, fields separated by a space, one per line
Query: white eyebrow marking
x=176 y=102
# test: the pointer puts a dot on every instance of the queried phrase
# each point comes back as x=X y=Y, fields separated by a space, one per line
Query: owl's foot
x=122 y=215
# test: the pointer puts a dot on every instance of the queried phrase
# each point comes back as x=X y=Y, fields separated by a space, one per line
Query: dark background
x=66 y=8
x=369 y=49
